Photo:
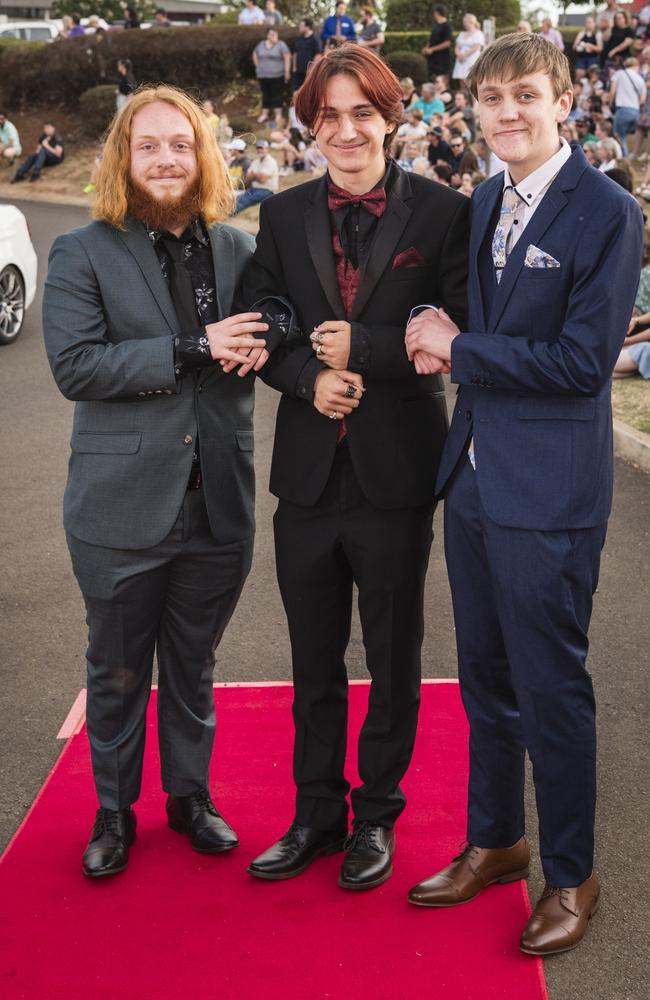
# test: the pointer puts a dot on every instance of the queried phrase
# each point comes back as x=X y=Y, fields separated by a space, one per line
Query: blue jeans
x=251 y=197
x=625 y=120
x=36 y=162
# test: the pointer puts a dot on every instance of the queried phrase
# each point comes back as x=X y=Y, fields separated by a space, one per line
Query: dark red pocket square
x=411 y=257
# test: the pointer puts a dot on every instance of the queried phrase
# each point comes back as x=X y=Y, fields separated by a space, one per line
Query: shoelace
x=291 y=836
x=203 y=801
x=361 y=836
x=109 y=821
x=466 y=851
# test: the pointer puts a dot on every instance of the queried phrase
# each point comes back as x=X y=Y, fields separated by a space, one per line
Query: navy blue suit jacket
x=535 y=367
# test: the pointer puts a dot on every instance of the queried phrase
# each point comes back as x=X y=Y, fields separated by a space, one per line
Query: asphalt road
x=42 y=641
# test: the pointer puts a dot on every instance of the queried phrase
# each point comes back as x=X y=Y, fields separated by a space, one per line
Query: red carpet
x=180 y=925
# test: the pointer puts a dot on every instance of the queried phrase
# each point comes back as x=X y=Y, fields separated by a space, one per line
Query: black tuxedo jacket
x=397 y=433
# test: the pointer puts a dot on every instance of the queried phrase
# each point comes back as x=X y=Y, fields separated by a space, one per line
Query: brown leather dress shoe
x=470 y=872
x=560 y=920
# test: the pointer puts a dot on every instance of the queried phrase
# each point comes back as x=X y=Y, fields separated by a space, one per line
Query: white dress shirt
x=533 y=188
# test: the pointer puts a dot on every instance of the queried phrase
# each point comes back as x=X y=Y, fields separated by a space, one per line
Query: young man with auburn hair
x=158 y=506
x=555 y=254
x=358 y=438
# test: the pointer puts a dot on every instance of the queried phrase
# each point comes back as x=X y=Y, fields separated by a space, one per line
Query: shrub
x=404 y=63
x=403 y=15
x=97 y=107
x=201 y=60
x=404 y=41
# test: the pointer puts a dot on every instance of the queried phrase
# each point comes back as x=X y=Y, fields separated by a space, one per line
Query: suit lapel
x=552 y=203
x=389 y=231
x=223 y=261
x=142 y=250
x=481 y=215
x=319 y=241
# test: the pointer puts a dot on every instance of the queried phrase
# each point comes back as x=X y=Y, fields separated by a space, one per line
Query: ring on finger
x=319 y=337
x=319 y=350
x=350 y=391
x=334 y=415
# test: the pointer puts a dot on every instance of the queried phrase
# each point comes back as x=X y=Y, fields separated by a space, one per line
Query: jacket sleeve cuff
x=305 y=386
x=360 y=348
x=281 y=318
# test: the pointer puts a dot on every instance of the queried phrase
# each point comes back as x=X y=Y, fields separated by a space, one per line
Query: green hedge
x=409 y=15
x=404 y=63
x=202 y=60
x=97 y=107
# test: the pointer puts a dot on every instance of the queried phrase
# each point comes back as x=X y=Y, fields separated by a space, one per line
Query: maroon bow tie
x=374 y=201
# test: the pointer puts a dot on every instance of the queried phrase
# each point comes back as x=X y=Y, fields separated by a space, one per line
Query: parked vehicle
x=18 y=270
x=30 y=31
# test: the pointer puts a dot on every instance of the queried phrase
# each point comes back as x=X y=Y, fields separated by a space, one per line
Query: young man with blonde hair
x=555 y=251
x=158 y=506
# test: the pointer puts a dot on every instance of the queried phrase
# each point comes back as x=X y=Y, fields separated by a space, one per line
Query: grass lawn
x=631 y=402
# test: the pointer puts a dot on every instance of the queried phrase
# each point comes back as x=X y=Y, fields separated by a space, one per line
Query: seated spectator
x=225 y=131
x=442 y=174
x=421 y=166
x=48 y=153
x=339 y=26
x=410 y=152
x=313 y=160
x=92 y=180
x=211 y=115
x=524 y=28
x=591 y=83
x=126 y=83
x=621 y=177
x=551 y=34
x=261 y=176
x=237 y=161
x=585 y=130
x=443 y=89
x=461 y=116
x=592 y=153
x=290 y=144
x=414 y=127
x=429 y=103
x=77 y=29
x=462 y=159
x=607 y=154
x=635 y=354
x=438 y=151
x=160 y=19
x=250 y=14
x=10 y=146
x=604 y=130
x=272 y=17
x=409 y=93
x=569 y=131
x=577 y=111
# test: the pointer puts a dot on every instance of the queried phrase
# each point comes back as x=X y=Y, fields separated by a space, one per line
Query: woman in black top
x=617 y=46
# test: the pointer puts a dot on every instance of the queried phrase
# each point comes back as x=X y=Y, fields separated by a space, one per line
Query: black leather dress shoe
x=368 y=857
x=296 y=850
x=197 y=816
x=108 y=848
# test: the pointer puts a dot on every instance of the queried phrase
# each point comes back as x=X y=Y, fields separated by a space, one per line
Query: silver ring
x=319 y=337
x=319 y=350
x=334 y=415
x=350 y=391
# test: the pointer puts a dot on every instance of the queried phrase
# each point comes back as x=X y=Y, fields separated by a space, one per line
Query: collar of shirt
x=533 y=187
x=196 y=230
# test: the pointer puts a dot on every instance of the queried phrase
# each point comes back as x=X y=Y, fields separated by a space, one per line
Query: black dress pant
x=174 y=599
x=320 y=552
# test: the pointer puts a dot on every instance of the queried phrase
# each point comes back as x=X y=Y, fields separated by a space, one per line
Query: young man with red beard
x=359 y=433
x=158 y=505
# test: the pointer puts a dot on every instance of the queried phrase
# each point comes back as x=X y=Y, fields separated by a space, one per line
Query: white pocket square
x=539 y=258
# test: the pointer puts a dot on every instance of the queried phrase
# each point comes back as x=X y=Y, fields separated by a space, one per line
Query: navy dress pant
x=522 y=603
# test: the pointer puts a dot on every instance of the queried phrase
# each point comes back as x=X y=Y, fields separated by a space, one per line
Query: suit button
x=157 y=392
x=468 y=414
x=167 y=392
x=142 y=394
x=187 y=439
x=200 y=389
x=303 y=391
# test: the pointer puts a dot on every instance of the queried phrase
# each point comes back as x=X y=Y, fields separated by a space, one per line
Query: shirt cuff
x=305 y=386
x=191 y=352
x=281 y=318
x=360 y=347
x=416 y=310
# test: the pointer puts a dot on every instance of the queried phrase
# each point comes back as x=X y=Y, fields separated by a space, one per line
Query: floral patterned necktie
x=511 y=199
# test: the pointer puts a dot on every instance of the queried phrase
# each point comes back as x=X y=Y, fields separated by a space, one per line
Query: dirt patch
x=631 y=402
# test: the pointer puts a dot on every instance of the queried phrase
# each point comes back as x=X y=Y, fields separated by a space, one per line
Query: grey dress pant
x=174 y=599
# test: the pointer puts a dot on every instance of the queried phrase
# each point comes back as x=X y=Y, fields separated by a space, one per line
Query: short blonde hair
x=516 y=55
x=216 y=192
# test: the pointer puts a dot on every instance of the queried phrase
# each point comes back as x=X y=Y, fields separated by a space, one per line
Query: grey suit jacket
x=108 y=322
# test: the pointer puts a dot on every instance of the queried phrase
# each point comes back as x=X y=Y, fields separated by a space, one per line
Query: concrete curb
x=632 y=445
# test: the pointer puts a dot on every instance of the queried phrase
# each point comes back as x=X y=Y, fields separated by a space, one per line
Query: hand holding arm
x=337 y=392
x=331 y=343
x=433 y=333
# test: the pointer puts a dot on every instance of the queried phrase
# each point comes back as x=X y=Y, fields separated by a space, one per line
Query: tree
x=110 y=10
x=411 y=15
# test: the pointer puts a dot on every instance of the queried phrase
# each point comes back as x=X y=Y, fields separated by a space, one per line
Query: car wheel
x=12 y=304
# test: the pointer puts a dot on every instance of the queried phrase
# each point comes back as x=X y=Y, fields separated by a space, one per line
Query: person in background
x=261 y=178
x=469 y=45
x=211 y=115
x=628 y=89
x=461 y=116
x=429 y=103
x=339 y=26
x=160 y=19
x=237 y=161
x=438 y=150
x=442 y=174
x=438 y=48
x=306 y=49
x=616 y=47
x=272 y=16
x=131 y=19
x=551 y=34
x=524 y=28
x=272 y=60
x=77 y=29
x=587 y=46
x=225 y=130
x=250 y=14
x=371 y=34
x=10 y=146
x=48 y=153
x=585 y=130
x=126 y=84
x=409 y=93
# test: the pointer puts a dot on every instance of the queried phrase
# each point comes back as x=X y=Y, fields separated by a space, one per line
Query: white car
x=31 y=31
x=18 y=270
